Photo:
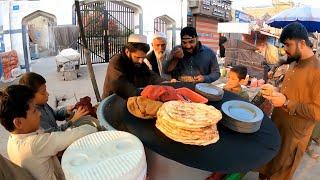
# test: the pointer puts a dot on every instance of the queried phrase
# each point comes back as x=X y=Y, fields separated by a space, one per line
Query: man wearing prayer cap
x=158 y=56
x=192 y=61
x=127 y=72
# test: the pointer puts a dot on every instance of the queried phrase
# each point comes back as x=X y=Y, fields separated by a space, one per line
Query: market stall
x=234 y=152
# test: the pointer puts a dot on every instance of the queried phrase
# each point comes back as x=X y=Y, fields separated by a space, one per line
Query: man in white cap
x=157 y=58
x=127 y=72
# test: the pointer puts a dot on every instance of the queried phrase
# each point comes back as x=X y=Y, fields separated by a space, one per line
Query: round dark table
x=234 y=152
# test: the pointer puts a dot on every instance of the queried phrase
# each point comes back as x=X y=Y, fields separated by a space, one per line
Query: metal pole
x=255 y=38
x=181 y=25
x=87 y=53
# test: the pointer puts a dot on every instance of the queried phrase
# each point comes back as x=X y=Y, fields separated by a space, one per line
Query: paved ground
x=57 y=88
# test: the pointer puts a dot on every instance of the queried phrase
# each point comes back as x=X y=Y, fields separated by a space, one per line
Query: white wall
x=62 y=9
x=4 y=16
x=14 y=11
x=12 y=19
x=155 y=8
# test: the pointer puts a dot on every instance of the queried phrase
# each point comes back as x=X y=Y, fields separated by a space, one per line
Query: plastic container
x=113 y=155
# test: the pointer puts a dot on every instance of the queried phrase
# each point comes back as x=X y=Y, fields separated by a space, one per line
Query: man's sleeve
x=61 y=127
x=308 y=110
x=61 y=114
x=49 y=144
x=119 y=82
x=214 y=70
x=170 y=63
x=155 y=78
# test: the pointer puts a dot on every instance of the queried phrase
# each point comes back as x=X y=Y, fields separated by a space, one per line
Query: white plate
x=209 y=89
x=242 y=111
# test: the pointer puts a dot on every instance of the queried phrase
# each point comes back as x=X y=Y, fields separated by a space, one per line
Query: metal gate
x=160 y=25
x=107 y=25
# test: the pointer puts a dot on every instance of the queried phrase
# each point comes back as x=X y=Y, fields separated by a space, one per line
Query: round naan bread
x=189 y=123
x=192 y=113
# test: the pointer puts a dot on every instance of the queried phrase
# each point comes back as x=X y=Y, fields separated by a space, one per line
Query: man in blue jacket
x=192 y=61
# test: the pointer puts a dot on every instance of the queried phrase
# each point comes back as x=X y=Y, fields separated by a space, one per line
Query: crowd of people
x=24 y=109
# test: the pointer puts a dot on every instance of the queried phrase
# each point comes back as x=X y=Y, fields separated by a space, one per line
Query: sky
x=238 y=4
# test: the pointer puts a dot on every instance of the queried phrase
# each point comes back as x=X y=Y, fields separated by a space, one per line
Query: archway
x=108 y=25
x=36 y=35
x=166 y=25
x=138 y=15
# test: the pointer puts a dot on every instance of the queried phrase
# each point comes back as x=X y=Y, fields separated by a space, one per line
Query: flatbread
x=163 y=115
x=192 y=113
x=187 y=133
x=142 y=107
x=187 y=79
x=201 y=142
x=189 y=123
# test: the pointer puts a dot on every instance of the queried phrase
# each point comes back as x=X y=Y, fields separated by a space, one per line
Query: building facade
x=25 y=23
x=205 y=15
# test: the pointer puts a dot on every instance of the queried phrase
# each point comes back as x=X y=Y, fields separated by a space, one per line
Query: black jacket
x=202 y=61
x=153 y=61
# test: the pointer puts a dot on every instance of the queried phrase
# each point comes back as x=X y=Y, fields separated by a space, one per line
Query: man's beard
x=137 y=65
x=159 y=55
x=294 y=58
x=187 y=53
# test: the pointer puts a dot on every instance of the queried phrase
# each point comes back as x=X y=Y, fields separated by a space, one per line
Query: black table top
x=234 y=152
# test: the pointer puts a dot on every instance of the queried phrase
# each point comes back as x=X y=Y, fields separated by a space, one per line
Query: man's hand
x=69 y=109
x=187 y=79
x=227 y=87
x=270 y=74
x=199 y=78
x=178 y=53
x=81 y=111
x=173 y=80
x=267 y=89
x=277 y=99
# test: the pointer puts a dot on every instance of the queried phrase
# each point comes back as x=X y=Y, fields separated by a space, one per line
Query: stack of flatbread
x=189 y=123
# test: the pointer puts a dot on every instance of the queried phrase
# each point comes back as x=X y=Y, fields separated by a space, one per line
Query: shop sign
x=216 y=8
x=242 y=17
x=15 y=7
x=207 y=35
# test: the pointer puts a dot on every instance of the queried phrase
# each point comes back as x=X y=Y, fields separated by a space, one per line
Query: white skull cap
x=137 y=38
x=159 y=35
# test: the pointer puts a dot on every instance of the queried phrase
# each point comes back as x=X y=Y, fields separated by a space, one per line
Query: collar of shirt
x=21 y=136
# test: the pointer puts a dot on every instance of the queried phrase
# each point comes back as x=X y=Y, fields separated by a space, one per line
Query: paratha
x=192 y=113
x=163 y=115
x=202 y=142
x=142 y=107
x=189 y=123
